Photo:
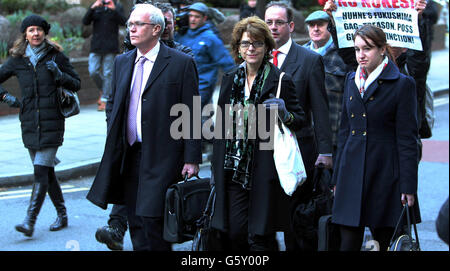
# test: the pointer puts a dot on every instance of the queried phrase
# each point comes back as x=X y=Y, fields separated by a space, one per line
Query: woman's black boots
x=40 y=187
x=56 y=195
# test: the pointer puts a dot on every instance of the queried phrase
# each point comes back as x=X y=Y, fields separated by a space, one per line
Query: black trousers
x=118 y=218
x=238 y=235
x=352 y=237
x=146 y=232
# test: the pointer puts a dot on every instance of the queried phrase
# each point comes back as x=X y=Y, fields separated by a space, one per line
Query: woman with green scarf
x=40 y=67
x=250 y=203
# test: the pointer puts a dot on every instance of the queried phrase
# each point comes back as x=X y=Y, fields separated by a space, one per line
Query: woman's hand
x=53 y=67
x=407 y=198
x=2 y=93
x=282 y=111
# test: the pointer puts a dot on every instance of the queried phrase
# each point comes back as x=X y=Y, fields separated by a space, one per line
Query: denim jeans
x=100 y=70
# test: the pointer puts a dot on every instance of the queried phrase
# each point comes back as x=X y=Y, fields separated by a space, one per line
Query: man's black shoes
x=111 y=237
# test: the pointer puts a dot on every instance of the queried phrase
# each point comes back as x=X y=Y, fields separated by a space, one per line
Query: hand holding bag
x=405 y=242
x=68 y=102
x=184 y=204
x=286 y=154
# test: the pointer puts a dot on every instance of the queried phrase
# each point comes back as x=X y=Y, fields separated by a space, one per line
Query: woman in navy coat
x=377 y=157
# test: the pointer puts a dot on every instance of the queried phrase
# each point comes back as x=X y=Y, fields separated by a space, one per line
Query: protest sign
x=397 y=18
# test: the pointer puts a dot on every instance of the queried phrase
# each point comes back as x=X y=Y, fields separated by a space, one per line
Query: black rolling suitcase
x=328 y=235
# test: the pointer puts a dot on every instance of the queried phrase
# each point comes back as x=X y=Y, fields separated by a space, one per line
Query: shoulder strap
x=279 y=85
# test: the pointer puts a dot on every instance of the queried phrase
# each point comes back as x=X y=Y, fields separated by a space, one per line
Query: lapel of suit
x=290 y=64
x=123 y=82
x=271 y=82
x=354 y=91
x=162 y=60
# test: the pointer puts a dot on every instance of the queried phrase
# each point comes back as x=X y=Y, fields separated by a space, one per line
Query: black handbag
x=306 y=215
x=207 y=238
x=184 y=204
x=68 y=102
x=404 y=242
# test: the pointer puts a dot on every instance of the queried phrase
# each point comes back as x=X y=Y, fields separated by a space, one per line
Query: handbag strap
x=209 y=209
x=408 y=221
x=278 y=121
x=279 y=85
x=414 y=224
x=397 y=226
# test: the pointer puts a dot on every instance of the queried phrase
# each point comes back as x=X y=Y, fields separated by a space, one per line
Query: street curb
x=71 y=172
x=440 y=92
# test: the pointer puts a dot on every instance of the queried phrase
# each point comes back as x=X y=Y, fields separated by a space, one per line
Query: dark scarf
x=239 y=148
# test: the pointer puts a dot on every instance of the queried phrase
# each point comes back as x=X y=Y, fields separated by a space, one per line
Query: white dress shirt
x=148 y=66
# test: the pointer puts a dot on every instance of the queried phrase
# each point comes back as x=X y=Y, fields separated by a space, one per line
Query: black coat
x=173 y=80
x=105 y=32
x=41 y=122
x=307 y=72
x=268 y=204
x=377 y=155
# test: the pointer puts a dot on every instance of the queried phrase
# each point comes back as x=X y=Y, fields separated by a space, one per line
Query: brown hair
x=20 y=45
x=257 y=29
x=376 y=35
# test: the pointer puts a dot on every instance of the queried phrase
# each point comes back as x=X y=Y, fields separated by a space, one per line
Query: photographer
x=106 y=17
x=209 y=51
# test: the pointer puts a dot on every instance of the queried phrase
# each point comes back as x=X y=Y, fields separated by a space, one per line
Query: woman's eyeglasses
x=256 y=44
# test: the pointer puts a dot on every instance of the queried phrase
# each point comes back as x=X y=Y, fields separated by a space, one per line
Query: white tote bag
x=286 y=154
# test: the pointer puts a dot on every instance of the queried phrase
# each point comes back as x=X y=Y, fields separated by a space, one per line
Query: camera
x=182 y=21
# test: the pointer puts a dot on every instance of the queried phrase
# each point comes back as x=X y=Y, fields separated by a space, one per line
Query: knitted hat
x=35 y=20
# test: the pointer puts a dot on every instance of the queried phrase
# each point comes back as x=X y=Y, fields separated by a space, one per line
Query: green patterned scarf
x=239 y=148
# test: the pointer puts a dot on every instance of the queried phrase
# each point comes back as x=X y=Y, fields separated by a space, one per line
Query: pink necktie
x=275 y=57
x=134 y=101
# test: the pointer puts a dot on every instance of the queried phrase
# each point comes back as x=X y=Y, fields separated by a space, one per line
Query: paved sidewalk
x=86 y=133
x=84 y=141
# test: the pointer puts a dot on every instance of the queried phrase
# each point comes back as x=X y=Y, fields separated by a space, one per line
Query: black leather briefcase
x=185 y=202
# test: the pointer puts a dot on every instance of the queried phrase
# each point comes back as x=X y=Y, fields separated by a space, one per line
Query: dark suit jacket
x=173 y=80
x=307 y=72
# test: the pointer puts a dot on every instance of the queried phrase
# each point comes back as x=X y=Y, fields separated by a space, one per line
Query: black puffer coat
x=42 y=124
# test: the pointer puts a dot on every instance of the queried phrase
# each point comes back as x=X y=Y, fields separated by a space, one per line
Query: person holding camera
x=40 y=67
x=106 y=17
x=210 y=53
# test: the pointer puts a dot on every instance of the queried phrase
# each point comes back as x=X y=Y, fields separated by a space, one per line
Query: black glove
x=53 y=67
x=282 y=111
x=10 y=100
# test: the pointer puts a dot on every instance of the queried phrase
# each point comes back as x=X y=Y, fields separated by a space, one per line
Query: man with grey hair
x=112 y=234
x=335 y=68
x=141 y=159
